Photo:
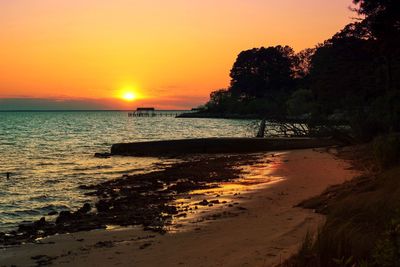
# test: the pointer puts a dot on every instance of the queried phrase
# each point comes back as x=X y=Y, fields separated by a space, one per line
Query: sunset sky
x=74 y=54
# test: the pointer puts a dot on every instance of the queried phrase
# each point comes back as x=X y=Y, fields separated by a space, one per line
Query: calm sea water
x=49 y=154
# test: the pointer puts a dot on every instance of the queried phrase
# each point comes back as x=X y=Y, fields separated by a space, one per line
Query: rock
x=204 y=202
x=102 y=206
x=27 y=227
x=40 y=223
x=181 y=187
x=85 y=208
x=64 y=216
x=51 y=213
x=169 y=209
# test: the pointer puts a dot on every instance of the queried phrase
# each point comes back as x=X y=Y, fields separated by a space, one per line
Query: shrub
x=386 y=150
x=387 y=251
x=300 y=102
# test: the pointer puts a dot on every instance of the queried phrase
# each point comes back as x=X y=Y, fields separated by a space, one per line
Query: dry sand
x=266 y=231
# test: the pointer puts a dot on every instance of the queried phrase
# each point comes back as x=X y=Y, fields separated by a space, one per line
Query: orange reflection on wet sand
x=224 y=200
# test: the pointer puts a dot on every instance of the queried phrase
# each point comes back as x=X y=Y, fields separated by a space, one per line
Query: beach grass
x=363 y=217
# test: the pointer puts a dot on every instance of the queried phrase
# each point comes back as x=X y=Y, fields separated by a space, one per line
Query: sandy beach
x=258 y=226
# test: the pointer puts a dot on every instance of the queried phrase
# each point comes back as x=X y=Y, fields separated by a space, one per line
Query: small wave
x=67 y=163
x=32 y=212
x=53 y=181
x=45 y=164
x=127 y=171
x=99 y=167
x=18 y=213
x=51 y=207
x=40 y=198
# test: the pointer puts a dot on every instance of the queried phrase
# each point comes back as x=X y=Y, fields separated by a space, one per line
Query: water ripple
x=49 y=154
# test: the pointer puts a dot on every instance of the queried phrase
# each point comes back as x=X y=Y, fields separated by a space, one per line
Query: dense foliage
x=357 y=73
x=354 y=76
x=262 y=72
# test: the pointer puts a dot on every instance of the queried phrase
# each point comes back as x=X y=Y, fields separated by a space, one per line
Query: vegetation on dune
x=363 y=218
x=360 y=68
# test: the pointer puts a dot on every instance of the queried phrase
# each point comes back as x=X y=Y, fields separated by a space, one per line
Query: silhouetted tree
x=383 y=16
x=302 y=64
x=356 y=73
x=262 y=72
x=219 y=100
x=383 y=21
x=342 y=71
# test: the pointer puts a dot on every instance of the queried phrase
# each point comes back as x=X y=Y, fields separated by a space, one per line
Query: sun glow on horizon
x=159 y=53
x=129 y=96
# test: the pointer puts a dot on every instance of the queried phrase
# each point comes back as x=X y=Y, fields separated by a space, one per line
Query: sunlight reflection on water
x=49 y=154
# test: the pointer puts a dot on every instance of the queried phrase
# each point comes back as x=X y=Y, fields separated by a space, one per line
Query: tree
x=262 y=72
x=302 y=64
x=383 y=16
x=383 y=21
x=217 y=99
x=343 y=74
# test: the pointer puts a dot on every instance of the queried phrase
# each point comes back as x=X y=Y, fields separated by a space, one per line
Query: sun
x=129 y=96
x=128 y=93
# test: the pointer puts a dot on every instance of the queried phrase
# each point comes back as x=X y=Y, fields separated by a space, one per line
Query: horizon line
x=80 y=110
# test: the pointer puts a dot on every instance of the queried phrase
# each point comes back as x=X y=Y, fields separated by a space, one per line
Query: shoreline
x=265 y=230
x=202 y=115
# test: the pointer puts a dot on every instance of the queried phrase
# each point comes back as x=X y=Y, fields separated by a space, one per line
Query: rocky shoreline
x=142 y=199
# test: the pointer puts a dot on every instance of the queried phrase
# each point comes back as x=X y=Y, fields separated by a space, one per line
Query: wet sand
x=258 y=225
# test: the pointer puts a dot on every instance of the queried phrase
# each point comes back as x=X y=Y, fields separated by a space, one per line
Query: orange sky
x=172 y=53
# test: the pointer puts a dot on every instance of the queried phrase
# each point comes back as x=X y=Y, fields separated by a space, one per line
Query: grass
x=363 y=220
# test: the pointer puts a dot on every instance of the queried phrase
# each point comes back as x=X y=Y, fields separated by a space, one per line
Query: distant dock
x=152 y=112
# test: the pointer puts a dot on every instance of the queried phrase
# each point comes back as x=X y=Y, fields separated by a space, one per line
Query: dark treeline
x=354 y=76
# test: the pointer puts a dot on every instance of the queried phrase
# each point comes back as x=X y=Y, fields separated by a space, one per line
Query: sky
x=74 y=54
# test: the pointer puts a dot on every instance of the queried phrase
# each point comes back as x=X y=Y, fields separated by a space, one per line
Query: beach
x=258 y=225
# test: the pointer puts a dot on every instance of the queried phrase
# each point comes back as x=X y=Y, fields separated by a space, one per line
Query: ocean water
x=49 y=154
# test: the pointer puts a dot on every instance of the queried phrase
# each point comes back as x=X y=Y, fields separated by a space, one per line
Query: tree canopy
x=355 y=73
x=262 y=72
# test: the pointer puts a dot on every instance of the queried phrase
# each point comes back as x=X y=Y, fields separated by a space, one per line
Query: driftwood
x=269 y=128
x=285 y=128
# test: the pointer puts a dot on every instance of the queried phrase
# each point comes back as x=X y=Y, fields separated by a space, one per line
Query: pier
x=152 y=112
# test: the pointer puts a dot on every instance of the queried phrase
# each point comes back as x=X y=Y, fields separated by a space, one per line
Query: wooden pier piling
x=151 y=112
